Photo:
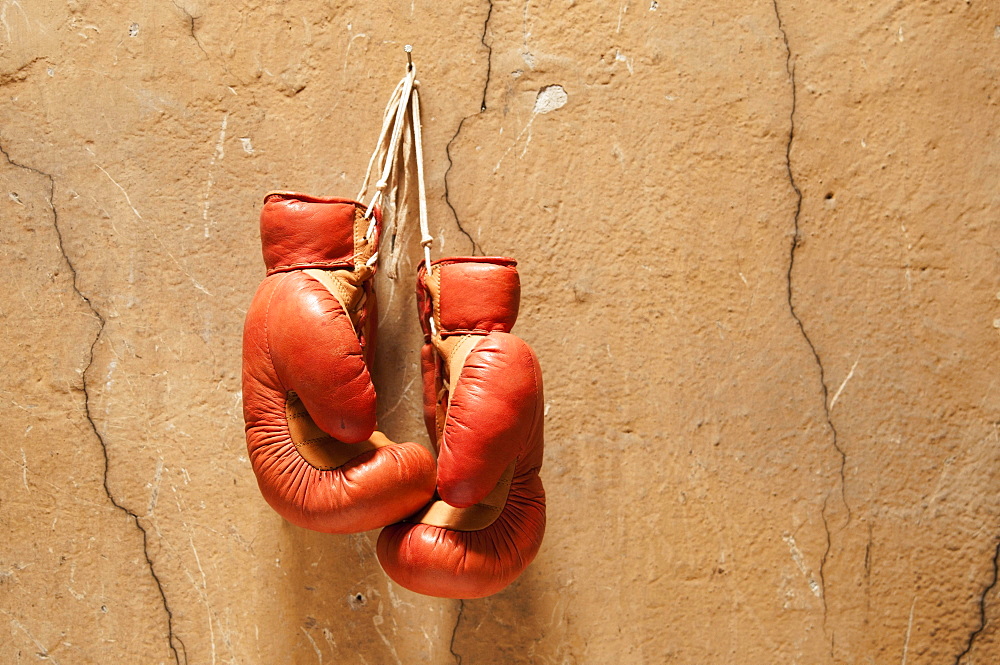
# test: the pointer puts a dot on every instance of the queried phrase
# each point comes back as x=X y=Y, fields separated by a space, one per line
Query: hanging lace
x=399 y=160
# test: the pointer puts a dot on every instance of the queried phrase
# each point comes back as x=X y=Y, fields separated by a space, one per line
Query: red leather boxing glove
x=483 y=408
x=308 y=399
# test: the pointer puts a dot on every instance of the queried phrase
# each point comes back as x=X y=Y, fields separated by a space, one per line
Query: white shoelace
x=398 y=154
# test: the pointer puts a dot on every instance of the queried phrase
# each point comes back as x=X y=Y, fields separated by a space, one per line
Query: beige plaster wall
x=759 y=251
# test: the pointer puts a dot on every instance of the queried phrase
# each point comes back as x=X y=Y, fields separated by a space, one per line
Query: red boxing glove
x=308 y=399
x=483 y=408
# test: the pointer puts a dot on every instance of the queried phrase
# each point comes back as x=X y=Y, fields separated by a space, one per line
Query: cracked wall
x=759 y=256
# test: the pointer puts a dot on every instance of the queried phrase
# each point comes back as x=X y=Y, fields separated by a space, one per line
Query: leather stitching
x=437 y=301
x=306 y=442
x=359 y=237
x=311 y=264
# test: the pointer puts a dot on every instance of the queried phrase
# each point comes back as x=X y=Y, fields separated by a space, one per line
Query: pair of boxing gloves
x=463 y=526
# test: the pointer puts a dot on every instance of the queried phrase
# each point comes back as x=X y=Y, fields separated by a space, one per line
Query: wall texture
x=761 y=266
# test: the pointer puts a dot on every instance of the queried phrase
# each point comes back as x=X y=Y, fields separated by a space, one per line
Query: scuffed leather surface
x=493 y=416
x=297 y=337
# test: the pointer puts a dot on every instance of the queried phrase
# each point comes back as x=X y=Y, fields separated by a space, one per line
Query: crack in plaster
x=868 y=554
x=982 y=607
x=447 y=195
x=826 y=554
x=86 y=402
x=191 y=21
x=790 y=68
x=454 y=633
x=489 y=55
x=482 y=108
x=192 y=25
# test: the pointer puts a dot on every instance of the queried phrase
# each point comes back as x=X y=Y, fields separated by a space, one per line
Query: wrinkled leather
x=301 y=344
x=482 y=420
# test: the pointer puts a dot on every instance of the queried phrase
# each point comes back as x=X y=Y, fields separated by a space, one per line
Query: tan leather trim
x=379 y=440
x=455 y=351
x=345 y=287
x=318 y=448
x=452 y=351
x=473 y=518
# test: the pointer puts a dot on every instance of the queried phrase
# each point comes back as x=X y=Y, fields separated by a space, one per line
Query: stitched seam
x=288 y=195
x=311 y=441
x=471 y=331
x=437 y=301
x=500 y=261
x=285 y=267
x=359 y=235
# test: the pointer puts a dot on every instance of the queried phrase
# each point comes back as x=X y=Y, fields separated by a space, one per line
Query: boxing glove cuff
x=469 y=295
x=300 y=231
